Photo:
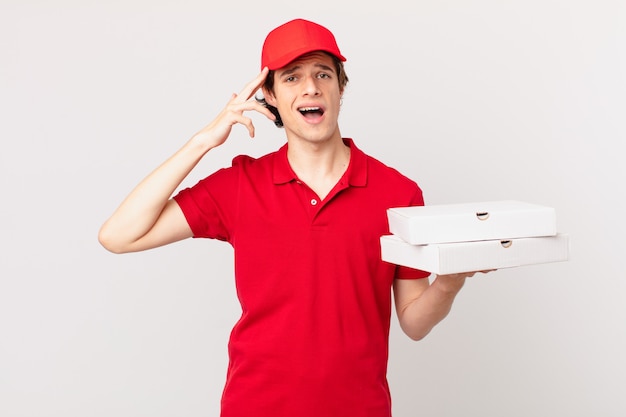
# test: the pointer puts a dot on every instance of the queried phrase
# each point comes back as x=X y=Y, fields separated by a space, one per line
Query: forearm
x=141 y=209
x=145 y=219
x=419 y=315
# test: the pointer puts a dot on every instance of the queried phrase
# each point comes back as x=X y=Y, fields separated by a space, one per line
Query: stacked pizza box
x=453 y=238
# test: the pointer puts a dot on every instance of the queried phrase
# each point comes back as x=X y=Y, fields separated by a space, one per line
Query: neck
x=319 y=165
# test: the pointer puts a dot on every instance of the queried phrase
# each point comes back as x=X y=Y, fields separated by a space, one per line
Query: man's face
x=307 y=96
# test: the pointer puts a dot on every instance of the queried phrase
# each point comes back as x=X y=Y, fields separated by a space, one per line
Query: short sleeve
x=209 y=205
x=404 y=272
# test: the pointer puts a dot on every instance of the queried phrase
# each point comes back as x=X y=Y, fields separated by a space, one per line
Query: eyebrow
x=297 y=67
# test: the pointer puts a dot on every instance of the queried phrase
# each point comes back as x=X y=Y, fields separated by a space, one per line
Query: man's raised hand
x=216 y=132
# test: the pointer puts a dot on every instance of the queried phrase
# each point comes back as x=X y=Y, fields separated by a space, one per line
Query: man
x=305 y=223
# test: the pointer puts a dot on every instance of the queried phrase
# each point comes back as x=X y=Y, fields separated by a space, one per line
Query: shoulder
x=241 y=167
x=389 y=183
x=376 y=168
x=385 y=174
x=380 y=168
x=252 y=162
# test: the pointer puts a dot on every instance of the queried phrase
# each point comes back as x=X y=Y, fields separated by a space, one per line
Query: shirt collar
x=356 y=173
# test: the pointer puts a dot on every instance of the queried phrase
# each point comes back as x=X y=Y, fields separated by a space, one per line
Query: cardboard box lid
x=450 y=258
x=446 y=223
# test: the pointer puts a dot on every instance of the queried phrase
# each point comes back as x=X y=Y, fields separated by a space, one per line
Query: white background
x=475 y=100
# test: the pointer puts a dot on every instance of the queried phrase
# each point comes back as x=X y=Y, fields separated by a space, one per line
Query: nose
x=310 y=86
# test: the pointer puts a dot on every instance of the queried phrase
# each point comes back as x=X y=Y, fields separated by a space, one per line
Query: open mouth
x=311 y=111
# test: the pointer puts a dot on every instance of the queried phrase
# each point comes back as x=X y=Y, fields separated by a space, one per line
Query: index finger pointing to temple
x=252 y=87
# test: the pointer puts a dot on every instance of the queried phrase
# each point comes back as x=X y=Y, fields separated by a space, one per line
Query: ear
x=269 y=97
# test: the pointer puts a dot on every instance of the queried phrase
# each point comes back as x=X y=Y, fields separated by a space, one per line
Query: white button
x=313 y=202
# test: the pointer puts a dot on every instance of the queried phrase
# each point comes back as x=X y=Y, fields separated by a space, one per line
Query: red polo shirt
x=315 y=295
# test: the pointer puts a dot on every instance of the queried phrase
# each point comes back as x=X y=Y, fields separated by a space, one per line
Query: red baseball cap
x=295 y=38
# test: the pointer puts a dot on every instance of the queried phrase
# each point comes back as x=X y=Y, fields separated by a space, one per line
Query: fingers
x=233 y=113
x=242 y=101
x=238 y=107
x=247 y=122
x=253 y=86
x=468 y=274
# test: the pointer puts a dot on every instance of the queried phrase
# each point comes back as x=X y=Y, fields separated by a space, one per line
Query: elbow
x=108 y=241
x=416 y=336
x=416 y=333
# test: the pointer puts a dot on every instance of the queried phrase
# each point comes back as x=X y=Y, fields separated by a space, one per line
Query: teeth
x=308 y=108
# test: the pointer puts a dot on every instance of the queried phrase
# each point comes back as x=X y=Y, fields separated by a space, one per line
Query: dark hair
x=269 y=85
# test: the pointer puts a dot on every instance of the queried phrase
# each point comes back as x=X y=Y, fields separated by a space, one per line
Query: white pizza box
x=445 y=223
x=450 y=258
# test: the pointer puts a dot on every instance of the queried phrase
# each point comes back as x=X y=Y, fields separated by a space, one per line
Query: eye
x=323 y=75
x=290 y=79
